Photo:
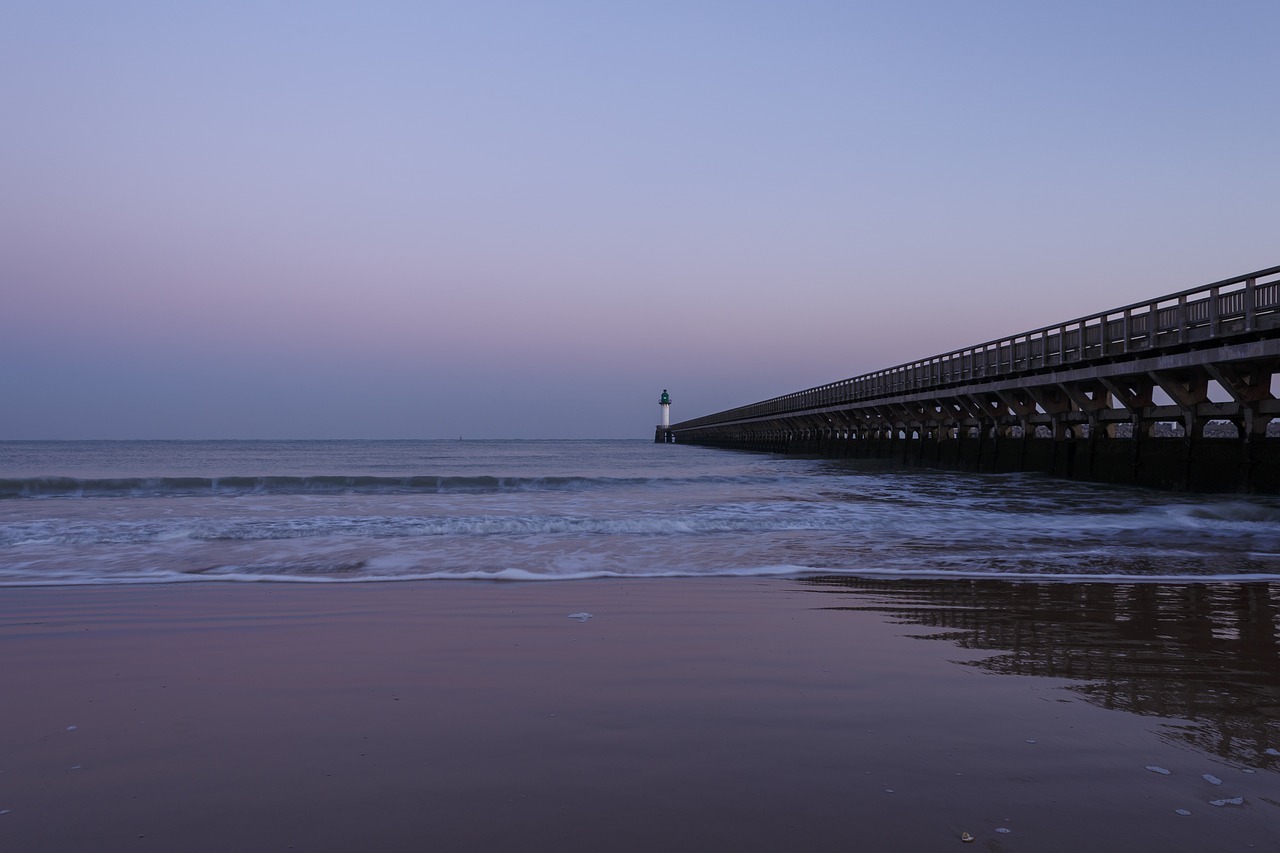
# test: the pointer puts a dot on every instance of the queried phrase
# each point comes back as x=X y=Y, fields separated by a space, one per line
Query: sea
x=130 y=512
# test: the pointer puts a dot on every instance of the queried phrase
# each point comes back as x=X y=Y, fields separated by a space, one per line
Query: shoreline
x=521 y=577
x=726 y=713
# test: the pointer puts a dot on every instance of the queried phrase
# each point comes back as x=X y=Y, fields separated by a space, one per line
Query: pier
x=1174 y=392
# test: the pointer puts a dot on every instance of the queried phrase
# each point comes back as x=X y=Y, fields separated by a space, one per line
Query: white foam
x=581 y=617
x=1211 y=779
x=1154 y=769
x=1234 y=801
x=237 y=574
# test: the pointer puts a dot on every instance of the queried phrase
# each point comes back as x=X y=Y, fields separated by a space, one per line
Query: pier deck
x=1174 y=392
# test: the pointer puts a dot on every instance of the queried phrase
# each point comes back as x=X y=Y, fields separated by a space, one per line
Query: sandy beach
x=724 y=714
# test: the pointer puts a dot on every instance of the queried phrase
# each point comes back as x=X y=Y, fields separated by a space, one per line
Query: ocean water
x=104 y=512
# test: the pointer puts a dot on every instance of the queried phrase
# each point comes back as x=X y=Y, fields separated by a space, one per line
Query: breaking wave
x=133 y=487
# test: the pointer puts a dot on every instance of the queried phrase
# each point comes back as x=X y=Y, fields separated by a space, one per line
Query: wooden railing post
x=1250 y=302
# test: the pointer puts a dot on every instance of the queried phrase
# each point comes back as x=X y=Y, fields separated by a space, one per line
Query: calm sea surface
x=328 y=511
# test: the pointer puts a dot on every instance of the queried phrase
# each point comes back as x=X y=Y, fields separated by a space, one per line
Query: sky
x=526 y=219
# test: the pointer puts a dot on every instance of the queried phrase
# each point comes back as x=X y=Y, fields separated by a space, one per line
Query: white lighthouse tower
x=663 y=434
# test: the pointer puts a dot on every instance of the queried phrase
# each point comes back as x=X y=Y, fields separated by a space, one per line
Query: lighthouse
x=663 y=434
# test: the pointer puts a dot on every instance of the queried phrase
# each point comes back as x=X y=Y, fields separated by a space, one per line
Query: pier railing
x=1238 y=307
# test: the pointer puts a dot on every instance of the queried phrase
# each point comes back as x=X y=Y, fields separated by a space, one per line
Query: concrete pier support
x=1183 y=463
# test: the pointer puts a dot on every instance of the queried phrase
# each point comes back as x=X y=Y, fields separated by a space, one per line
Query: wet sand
x=726 y=714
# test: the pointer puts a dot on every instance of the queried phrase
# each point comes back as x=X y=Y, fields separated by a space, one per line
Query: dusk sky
x=525 y=220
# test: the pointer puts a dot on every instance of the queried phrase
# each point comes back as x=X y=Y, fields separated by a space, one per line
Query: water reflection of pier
x=1205 y=655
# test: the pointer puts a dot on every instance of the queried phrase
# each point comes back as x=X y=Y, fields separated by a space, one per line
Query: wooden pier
x=1122 y=396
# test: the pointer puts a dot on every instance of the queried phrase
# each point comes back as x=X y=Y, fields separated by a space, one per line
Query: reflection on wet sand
x=1205 y=655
